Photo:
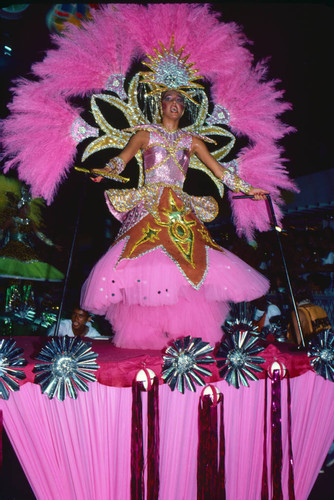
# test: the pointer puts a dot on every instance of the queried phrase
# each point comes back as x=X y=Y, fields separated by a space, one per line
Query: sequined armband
x=116 y=165
x=112 y=170
x=235 y=183
x=45 y=240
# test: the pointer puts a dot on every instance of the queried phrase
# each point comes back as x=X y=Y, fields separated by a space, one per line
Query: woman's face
x=172 y=104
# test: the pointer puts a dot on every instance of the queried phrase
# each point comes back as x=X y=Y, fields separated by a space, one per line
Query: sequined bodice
x=167 y=156
x=166 y=161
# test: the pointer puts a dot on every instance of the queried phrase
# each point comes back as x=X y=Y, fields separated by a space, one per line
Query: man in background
x=78 y=326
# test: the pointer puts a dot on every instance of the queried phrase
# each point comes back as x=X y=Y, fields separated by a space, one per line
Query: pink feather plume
x=37 y=133
x=261 y=165
x=85 y=58
x=37 y=137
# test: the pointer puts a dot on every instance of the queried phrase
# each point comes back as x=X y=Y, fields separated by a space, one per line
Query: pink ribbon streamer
x=210 y=472
x=291 y=473
x=137 y=446
x=276 y=439
x=276 y=436
x=264 y=489
x=221 y=470
x=153 y=442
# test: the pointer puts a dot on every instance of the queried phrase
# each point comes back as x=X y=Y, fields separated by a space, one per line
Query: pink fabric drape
x=80 y=449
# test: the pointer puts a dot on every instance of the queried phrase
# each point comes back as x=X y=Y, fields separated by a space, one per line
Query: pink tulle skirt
x=149 y=301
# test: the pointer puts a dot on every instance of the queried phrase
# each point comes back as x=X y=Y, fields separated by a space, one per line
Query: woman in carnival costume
x=164 y=277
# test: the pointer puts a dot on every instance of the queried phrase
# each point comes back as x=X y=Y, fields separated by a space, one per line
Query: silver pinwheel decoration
x=183 y=363
x=68 y=364
x=276 y=330
x=10 y=360
x=321 y=352
x=237 y=356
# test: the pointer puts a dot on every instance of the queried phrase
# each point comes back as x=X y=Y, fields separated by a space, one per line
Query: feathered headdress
x=41 y=134
x=169 y=70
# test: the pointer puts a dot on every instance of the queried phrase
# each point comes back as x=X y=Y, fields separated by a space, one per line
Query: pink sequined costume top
x=165 y=277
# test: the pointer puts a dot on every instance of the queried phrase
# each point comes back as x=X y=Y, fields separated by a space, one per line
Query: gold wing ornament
x=110 y=136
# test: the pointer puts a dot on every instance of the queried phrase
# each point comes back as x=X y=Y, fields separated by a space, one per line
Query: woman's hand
x=98 y=178
x=259 y=194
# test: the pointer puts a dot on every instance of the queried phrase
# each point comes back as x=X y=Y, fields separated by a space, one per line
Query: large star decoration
x=178 y=233
x=237 y=357
x=68 y=364
x=9 y=361
x=183 y=362
x=321 y=353
x=179 y=228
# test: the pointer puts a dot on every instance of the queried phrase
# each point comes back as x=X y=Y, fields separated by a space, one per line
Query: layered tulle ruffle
x=149 y=301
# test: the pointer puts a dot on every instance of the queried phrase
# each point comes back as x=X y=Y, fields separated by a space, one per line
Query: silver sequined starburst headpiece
x=171 y=71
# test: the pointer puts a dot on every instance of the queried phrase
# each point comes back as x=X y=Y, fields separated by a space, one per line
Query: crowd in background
x=309 y=255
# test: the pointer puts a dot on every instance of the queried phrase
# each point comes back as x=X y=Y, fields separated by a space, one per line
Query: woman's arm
x=201 y=151
x=137 y=142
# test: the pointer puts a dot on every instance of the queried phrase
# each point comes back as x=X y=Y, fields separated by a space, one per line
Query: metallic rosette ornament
x=183 y=362
x=321 y=352
x=68 y=363
x=9 y=361
x=238 y=352
x=277 y=330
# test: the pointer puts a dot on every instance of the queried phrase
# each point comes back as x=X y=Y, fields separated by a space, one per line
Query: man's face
x=79 y=319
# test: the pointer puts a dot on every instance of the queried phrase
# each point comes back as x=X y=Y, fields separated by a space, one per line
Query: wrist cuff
x=116 y=165
x=235 y=183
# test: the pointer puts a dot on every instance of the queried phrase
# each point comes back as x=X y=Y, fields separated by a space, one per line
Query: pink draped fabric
x=80 y=449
